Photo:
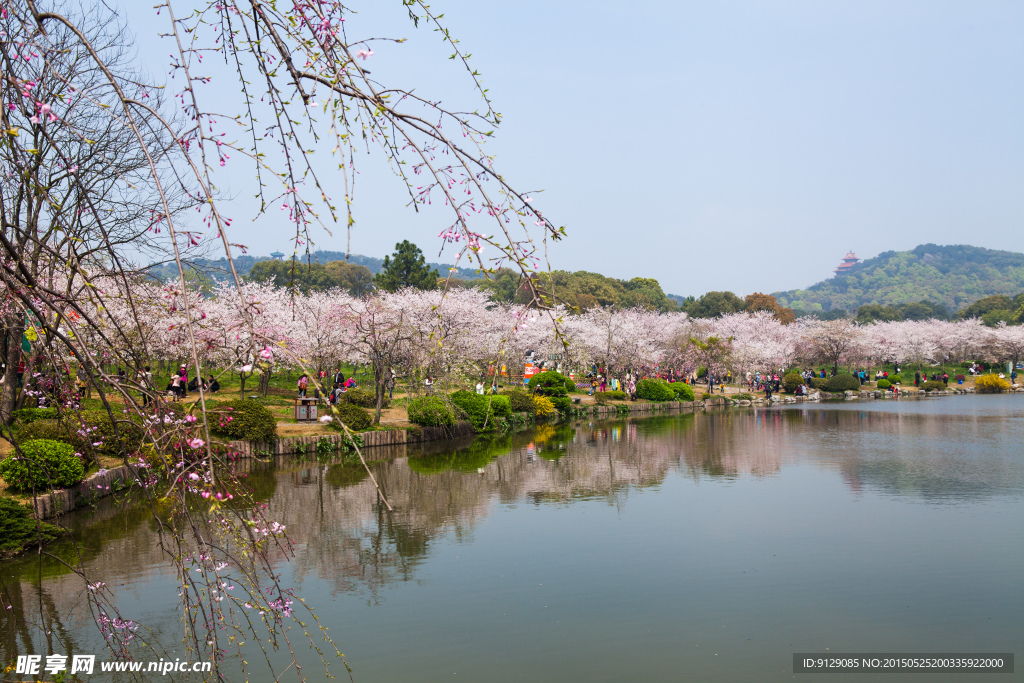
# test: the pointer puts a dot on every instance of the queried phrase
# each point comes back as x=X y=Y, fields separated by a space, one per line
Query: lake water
x=700 y=547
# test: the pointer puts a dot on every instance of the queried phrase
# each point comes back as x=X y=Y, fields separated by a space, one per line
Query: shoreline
x=106 y=482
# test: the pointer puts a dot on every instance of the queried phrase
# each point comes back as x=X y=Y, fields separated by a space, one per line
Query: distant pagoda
x=848 y=262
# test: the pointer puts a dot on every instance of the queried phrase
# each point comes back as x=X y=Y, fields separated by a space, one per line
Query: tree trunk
x=15 y=330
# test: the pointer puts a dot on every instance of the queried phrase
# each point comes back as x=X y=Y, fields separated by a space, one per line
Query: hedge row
x=43 y=464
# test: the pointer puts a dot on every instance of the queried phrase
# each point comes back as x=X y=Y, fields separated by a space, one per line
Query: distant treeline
x=218 y=269
x=929 y=282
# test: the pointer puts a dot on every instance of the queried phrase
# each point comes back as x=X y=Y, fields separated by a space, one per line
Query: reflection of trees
x=42 y=591
x=442 y=489
x=935 y=457
x=439 y=489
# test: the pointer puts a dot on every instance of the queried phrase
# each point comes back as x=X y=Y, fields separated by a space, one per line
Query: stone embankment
x=309 y=444
x=93 y=487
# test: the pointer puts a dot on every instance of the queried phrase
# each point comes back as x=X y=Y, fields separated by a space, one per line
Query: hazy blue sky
x=716 y=145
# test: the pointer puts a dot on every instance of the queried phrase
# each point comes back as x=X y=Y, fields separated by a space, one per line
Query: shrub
x=742 y=397
x=28 y=415
x=884 y=384
x=934 y=386
x=432 y=411
x=521 y=401
x=501 y=406
x=475 y=408
x=654 y=390
x=684 y=392
x=244 y=419
x=354 y=417
x=705 y=396
x=563 y=404
x=44 y=463
x=543 y=406
x=18 y=529
x=819 y=383
x=48 y=429
x=605 y=396
x=842 y=383
x=364 y=398
x=127 y=435
x=791 y=381
x=551 y=383
x=991 y=384
x=895 y=379
x=959 y=378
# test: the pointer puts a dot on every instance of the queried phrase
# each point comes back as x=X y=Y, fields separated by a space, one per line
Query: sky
x=718 y=145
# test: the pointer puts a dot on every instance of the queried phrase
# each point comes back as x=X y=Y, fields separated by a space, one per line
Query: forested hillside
x=955 y=276
x=218 y=270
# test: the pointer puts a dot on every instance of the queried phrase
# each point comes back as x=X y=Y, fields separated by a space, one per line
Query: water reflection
x=442 y=493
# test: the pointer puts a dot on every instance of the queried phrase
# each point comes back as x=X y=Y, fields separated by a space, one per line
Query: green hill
x=955 y=275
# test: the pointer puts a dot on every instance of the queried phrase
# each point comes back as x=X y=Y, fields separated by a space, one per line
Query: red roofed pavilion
x=848 y=262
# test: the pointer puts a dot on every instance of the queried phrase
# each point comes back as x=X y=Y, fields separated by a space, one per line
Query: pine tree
x=407 y=267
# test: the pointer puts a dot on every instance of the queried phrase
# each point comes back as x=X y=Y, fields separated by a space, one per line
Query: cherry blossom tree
x=831 y=341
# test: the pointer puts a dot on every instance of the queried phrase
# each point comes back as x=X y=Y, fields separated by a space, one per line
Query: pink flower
x=364 y=54
x=196 y=443
x=266 y=353
x=193 y=476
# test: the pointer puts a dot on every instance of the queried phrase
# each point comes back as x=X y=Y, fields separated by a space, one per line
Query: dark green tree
x=313 y=277
x=869 y=313
x=1000 y=315
x=923 y=310
x=358 y=280
x=407 y=267
x=833 y=314
x=715 y=304
x=998 y=302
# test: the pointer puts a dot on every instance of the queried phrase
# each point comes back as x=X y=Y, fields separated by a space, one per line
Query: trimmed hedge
x=563 y=404
x=819 y=383
x=684 y=392
x=364 y=398
x=604 y=396
x=654 y=390
x=29 y=415
x=475 y=407
x=883 y=384
x=842 y=383
x=521 y=401
x=933 y=386
x=45 y=463
x=128 y=435
x=501 y=406
x=244 y=419
x=18 y=529
x=431 y=411
x=551 y=383
x=354 y=417
x=895 y=379
x=791 y=382
x=48 y=429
